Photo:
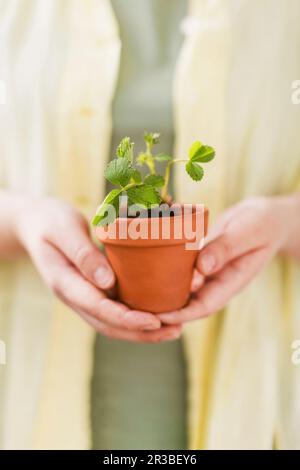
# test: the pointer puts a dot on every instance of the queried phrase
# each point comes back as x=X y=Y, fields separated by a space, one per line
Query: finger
x=81 y=295
x=78 y=247
x=220 y=225
x=216 y=293
x=166 y=333
x=197 y=281
x=236 y=240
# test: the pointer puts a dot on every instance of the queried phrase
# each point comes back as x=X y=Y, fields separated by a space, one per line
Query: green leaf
x=105 y=216
x=163 y=157
x=136 y=176
x=119 y=171
x=195 y=171
x=125 y=149
x=151 y=138
x=143 y=194
x=204 y=154
x=155 y=180
x=194 y=149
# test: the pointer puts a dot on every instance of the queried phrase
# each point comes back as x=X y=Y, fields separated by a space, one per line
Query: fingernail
x=173 y=336
x=171 y=312
x=168 y=316
x=151 y=326
x=208 y=262
x=196 y=284
x=136 y=319
x=104 y=277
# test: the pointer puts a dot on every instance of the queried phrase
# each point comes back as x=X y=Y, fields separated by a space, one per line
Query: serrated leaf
x=163 y=157
x=204 y=154
x=155 y=180
x=104 y=214
x=195 y=171
x=125 y=149
x=194 y=149
x=119 y=171
x=143 y=194
x=136 y=176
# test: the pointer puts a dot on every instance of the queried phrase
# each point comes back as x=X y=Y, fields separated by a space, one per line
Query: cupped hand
x=240 y=245
x=57 y=238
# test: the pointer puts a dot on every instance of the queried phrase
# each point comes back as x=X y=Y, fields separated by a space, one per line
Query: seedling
x=151 y=190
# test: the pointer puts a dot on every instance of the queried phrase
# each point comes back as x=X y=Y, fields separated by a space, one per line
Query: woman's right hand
x=57 y=238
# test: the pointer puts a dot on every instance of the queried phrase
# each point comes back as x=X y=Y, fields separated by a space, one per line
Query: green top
x=151 y=40
x=138 y=390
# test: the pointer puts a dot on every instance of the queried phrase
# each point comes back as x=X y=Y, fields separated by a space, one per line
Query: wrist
x=23 y=223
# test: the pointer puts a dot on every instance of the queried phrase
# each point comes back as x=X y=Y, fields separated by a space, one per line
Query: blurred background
x=75 y=77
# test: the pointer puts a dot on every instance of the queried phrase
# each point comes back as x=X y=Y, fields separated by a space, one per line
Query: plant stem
x=164 y=191
x=150 y=160
x=130 y=185
x=150 y=164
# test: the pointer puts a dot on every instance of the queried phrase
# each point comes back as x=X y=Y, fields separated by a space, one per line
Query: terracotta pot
x=154 y=274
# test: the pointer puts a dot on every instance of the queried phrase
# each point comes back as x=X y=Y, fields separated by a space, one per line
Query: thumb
x=78 y=247
x=236 y=239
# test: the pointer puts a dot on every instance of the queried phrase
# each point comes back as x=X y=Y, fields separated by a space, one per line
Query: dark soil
x=161 y=211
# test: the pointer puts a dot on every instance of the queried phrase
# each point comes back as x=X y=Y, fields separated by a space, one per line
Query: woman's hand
x=242 y=242
x=57 y=238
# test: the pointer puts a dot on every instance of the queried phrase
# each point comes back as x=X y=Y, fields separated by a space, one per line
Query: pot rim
x=109 y=235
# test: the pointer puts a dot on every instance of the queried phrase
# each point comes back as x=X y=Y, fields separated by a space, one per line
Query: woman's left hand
x=242 y=242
